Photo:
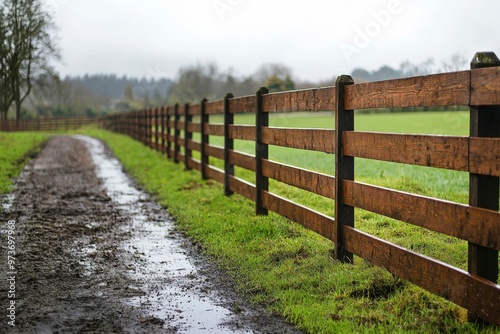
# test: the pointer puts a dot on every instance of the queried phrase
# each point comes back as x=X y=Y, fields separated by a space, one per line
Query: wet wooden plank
x=485 y=156
x=477 y=225
x=485 y=84
x=317 y=99
x=181 y=110
x=321 y=140
x=180 y=141
x=431 y=90
x=170 y=110
x=194 y=109
x=476 y=294
x=194 y=145
x=242 y=187
x=214 y=129
x=432 y=151
x=318 y=183
x=194 y=127
x=244 y=132
x=242 y=160
x=313 y=220
x=194 y=164
x=214 y=107
x=242 y=104
x=214 y=173
x=214 y=151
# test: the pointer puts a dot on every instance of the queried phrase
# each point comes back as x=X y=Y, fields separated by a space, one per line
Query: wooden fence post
x=169 y=131
x=187 y=136
x=228 y=144
x=177 y=133
x=344 y=169
x=204 y=139
x=162 y=129
x=156 y=116
x=136 y=125
x=261 y=152
x=483 y=189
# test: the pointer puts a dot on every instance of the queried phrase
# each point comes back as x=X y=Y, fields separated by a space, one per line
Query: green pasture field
x=15 y=150
x=290 y=269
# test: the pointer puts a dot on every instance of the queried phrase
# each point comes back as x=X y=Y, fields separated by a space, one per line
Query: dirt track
x=84 y=264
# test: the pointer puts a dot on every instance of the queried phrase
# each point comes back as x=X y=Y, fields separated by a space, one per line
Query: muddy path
x=90 y=253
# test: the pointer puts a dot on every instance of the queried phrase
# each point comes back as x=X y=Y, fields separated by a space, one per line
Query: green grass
x=15 y=150
x=289 y=268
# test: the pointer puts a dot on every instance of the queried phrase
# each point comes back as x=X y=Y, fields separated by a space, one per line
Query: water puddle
x=7 y=201
x=168 y=283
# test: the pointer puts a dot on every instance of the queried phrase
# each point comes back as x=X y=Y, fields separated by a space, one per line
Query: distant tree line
x=407 y=69
x=197 y=82
x=92 y=95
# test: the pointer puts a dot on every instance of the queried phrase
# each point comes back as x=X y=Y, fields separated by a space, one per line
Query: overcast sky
x=318 y=39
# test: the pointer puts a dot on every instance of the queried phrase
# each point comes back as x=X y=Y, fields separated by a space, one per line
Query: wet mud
x=94 y=254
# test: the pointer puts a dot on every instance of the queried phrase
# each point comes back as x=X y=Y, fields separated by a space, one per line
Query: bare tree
x=27 y=52
x=6 y=91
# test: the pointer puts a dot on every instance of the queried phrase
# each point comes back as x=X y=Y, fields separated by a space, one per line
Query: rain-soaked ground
x=94 y=254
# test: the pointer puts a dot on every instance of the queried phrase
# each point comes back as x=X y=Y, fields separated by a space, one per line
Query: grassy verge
x=15 y=150
x=288 y=268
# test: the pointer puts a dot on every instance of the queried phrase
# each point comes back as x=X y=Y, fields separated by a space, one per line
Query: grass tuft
x=16 y=149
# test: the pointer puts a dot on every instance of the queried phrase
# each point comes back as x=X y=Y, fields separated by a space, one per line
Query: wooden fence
x=478 y=154
x=48 y=124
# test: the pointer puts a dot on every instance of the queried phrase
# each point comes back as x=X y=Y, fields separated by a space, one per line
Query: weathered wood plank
x=430 y=90
x=181 y=109
x=214 y=107
x=477 y=225
x=194 y=145
x=321 y=140
x=244 y=132
x=318 y=183
x=432 y=151
x=194 y=164
x=318 y=99
x=214 y=151
x=484 y=156
x=214 y=129
x=180 y=156
x=478 y=295
x=242 y=160
x=170 y=110
x=242 y=187
x=195 y=109
x=180 y=125
x=180 y=141
x=485 y=84
x=313 y=220
x=194 y=127
x=214 y=173
x=242 y=104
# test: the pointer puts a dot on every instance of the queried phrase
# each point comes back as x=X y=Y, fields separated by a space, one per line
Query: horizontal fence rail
x=48 y=124
x=172 y=130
